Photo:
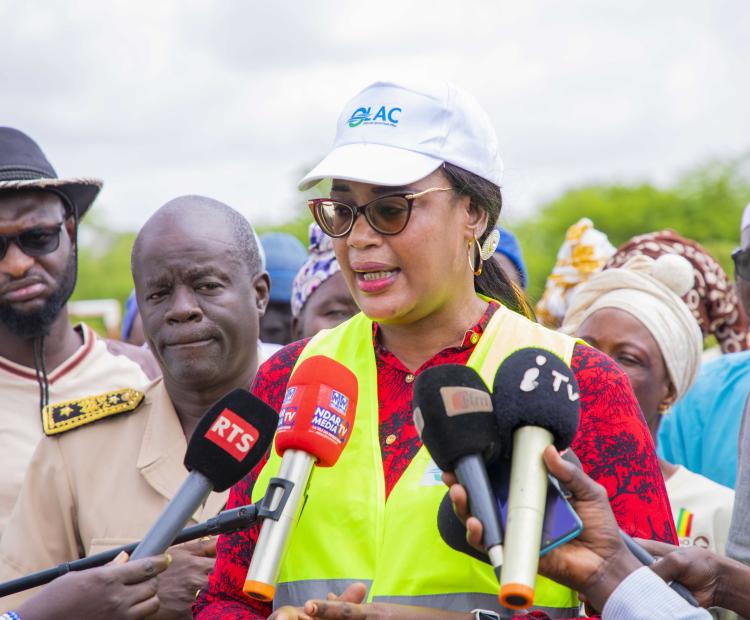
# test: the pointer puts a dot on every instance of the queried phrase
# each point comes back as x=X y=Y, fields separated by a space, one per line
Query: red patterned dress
x=613 y=444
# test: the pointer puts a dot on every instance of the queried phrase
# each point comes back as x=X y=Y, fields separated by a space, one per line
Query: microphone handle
x=189 y=497
x=526 y=503
x=647 y=559
x=225 y=522
x=472 y=474
x=643 y=556
x=263 y=573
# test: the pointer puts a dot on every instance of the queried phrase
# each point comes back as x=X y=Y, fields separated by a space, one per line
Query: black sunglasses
x=387 y=215
x=34 y=241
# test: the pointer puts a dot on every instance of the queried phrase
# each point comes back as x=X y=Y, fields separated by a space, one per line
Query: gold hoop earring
x=476 y=270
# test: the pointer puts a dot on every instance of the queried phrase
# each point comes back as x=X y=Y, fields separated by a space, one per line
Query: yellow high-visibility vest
x=349 y=532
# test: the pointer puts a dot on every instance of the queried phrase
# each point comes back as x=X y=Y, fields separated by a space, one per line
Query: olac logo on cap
x=383 y=116
x=233 y=434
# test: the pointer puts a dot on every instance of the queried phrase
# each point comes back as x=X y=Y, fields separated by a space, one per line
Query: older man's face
x=198 y=302
x=33 y=289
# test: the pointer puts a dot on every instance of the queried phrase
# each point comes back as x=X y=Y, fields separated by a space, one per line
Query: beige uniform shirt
x=96 y=366
x=96 y=487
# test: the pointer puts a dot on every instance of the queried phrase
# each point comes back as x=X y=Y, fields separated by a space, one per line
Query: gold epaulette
x=61 y=417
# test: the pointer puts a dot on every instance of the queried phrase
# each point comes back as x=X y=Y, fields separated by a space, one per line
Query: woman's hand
x=354 y=594
x=460 y=500
x=339 y=610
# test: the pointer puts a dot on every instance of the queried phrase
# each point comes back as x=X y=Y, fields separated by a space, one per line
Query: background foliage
x=704 y=204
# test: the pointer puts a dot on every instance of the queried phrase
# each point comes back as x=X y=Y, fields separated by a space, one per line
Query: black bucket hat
x=23 y=165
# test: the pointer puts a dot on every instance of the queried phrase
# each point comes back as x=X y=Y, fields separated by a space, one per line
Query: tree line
x=705 y=204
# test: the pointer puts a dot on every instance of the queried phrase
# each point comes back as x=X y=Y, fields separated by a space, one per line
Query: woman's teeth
x=376 y=275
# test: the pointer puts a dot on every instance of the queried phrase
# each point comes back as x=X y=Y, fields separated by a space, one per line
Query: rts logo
x=233 y=434
x=383 y=116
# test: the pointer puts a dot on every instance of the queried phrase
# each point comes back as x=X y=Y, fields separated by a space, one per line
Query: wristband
x=10 y=615
x=483 y=614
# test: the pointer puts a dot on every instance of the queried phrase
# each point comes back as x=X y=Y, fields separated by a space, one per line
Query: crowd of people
x=408 y=267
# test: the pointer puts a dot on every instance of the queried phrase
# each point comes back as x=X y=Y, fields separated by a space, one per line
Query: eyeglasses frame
x=15 y=239
x=362 y=210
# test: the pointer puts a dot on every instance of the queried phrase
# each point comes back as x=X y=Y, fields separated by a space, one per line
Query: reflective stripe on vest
x=349 y=532
x=306 y=590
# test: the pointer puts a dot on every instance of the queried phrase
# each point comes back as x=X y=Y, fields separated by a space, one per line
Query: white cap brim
x=372 y=163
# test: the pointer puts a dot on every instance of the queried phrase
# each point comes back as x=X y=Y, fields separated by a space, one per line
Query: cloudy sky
x=236 y=99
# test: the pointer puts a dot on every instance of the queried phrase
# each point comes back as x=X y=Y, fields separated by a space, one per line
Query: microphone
x=453 y=533
x=315 y=423
x=230 y=439
x=454 y=415
x=226 y=522
x=643 y=556
x=537 y=401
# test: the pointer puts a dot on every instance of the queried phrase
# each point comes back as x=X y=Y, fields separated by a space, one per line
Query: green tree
x=705 y=204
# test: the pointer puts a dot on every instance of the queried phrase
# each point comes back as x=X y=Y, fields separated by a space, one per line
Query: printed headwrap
x=650 y=290
x=319 y=266
x=712 y=300
x=584 y=252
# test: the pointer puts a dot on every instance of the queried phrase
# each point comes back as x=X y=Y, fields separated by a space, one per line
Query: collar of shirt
x=471 y=337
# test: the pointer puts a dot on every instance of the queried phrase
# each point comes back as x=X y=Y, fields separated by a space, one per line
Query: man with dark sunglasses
x=44 y=358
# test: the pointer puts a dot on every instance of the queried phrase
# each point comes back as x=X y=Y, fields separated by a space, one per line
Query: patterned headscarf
x=583 y=253
x=712 y=300
x=319 y=266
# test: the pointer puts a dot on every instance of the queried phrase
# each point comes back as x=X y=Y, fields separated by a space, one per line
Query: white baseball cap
x=394 y=134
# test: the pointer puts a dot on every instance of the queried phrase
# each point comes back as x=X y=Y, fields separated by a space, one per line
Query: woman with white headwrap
x=635 y=314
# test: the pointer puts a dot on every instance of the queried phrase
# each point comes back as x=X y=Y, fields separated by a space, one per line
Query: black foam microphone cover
x=453 y=412
x=231 y=438
x=534 y=387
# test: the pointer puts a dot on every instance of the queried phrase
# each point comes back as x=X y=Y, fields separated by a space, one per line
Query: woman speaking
x=415 y=196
